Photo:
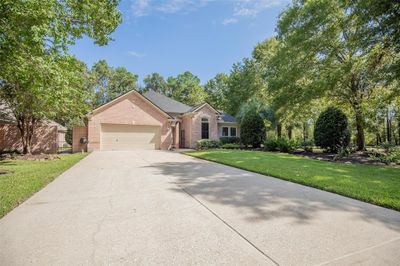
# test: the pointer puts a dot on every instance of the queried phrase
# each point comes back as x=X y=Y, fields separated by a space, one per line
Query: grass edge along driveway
x=379 y=185
x=28 y=177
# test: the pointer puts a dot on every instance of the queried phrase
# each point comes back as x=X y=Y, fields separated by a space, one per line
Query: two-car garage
x=119 y=137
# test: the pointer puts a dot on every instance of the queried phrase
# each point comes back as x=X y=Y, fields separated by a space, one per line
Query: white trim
x=204 y=104
x=125 y=94
x=229 y=131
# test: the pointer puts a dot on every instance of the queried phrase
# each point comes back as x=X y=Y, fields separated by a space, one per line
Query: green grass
x=29 y=177
x=375 y=184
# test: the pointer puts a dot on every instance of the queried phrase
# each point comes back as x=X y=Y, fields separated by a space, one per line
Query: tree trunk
x=26 y=126
x=305 y=133
x=388 y=127
x=398 y=127
x=279 y=130
x=360 y=128
x=378 y=139
x=289 y=132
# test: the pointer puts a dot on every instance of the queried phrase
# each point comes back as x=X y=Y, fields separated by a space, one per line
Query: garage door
x=129 y=137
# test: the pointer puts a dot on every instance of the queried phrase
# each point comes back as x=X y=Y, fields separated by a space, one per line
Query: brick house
x=47 y=137
x=151 y=121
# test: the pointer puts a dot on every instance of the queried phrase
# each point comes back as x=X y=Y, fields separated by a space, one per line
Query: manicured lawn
x=29 y=177
x=379 y=185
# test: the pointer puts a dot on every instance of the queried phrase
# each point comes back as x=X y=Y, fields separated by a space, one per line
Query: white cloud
x=228 y=21
x=251 y=8
x=240 y=8
x=142 y=8
x=136 y=54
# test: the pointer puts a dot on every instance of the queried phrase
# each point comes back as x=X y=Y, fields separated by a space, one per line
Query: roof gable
x=201 y=106
x=119 y=98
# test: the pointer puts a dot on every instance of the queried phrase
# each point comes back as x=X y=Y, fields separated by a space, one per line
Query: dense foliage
x=39 y=80
x=252 y=129
x=229 y=140
x=281 y=144
x=331 y=130
x=205 y=144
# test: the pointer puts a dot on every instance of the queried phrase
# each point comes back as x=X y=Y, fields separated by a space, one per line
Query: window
x=225 y=131
x=233 y=131
x=204 y=128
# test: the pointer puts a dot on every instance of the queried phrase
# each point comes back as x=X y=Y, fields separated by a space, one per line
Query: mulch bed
x=29 y=157
x=358 y=157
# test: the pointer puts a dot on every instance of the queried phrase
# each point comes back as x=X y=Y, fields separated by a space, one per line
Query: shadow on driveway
x=259 y=198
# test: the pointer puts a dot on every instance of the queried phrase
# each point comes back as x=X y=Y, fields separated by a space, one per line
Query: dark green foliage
x=331 y=130
x=230 y=146
x=281 y=144
x=229 y=140
x=205 y=144
x=307 y=145
x=68 y=136
x=252 y=129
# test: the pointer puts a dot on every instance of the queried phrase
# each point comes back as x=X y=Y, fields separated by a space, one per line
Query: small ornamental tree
x=331 y=130
x=252 y=129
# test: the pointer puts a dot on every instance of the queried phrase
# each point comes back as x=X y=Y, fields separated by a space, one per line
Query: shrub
x=307 y=145
x=271 y=145
x=226 y=140
x=331 y=130
x=205 y=144
x=252 y=129
x=230 y=146
x=281 y=144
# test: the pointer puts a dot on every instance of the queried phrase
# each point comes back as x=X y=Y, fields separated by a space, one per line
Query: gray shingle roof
x=227 y=118
x=165 y=103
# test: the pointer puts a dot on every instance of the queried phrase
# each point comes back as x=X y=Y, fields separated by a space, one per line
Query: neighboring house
x=151 y=121
x=48 y=136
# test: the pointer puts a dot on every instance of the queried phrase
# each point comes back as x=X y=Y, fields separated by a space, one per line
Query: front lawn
x=379 y=185
x=28 y=177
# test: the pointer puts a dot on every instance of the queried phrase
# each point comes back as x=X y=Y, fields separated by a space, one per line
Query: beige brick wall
x=187 y=125
x=209 y=113
x=44 y=139
x=130 y=109
x=77 y=134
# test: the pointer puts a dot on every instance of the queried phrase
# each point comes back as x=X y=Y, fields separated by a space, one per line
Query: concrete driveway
x=155 y=207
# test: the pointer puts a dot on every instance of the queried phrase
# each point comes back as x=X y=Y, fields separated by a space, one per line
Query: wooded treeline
x=325 y=53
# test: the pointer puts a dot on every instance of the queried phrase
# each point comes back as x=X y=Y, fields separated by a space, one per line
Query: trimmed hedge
x=226 y=140
x=230 y=146
x=331 y=130
x=205 y=144
x=281 y=144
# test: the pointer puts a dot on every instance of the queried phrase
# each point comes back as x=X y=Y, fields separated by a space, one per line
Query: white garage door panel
x=129 y=137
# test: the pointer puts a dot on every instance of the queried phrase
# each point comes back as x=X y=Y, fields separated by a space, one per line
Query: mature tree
x=38 y=79
x=186 y=88
x=157 y=83
x=245 y=82
x=320 y=54
x=107 y=83
x=381 y=20
x=217 y=88
x=34 y=98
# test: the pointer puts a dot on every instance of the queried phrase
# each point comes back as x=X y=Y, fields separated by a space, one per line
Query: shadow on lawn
x=257 y=198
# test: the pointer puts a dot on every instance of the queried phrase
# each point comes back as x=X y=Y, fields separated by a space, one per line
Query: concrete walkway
x=155 y=207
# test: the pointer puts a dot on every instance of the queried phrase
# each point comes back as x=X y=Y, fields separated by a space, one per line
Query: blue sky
x=204 y=37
